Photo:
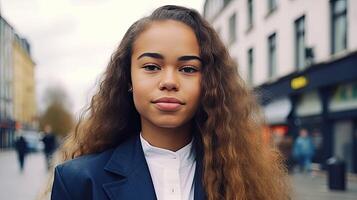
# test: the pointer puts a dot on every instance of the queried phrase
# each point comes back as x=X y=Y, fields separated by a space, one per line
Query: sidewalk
x=15 y=185
x=307 y=187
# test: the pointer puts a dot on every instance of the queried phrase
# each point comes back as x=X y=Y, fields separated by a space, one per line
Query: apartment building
x=301 y=57
x=17 y=85
x=6 y=88
x=24 y=95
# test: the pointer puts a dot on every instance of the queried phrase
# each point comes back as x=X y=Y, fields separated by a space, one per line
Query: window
x=225 y=2
x=354 y=90
x=272 y=4
x=272 y=55
x=212 y=8
x=339 y=25
x=300 y=43
x=232 y=29
x=250 y=66
x=250 y=13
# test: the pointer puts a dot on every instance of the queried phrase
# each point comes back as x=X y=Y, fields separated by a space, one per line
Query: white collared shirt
x=172 y=173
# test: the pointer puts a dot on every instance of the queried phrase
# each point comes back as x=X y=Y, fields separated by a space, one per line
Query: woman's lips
x=168 y=104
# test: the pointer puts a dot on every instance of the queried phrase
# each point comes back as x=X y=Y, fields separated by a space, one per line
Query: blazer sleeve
x=59 y=190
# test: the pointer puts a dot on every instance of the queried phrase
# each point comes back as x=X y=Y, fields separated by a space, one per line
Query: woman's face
x=166 y=74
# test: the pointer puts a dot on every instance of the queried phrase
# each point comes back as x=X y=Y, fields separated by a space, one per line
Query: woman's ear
x=130 y=87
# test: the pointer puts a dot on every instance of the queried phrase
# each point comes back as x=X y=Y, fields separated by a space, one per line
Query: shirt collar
x=186 y=154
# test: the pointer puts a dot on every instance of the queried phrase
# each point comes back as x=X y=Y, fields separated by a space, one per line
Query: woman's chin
x=169 y=123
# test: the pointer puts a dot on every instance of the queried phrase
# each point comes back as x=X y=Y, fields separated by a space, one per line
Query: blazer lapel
x=199 y=193
x=128 y=161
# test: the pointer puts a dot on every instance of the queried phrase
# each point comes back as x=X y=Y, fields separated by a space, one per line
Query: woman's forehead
x=167 y=36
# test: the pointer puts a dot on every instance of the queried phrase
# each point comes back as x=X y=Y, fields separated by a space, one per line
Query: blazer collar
x=128 y=160
x=125 y=156
x=199 y=190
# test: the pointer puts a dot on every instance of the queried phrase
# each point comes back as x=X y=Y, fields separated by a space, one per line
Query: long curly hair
x=228 y=123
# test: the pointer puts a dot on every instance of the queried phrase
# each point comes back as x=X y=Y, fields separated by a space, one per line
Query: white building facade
x=6 y=84
x=279 y=21
x=301 y=56
x=14 y=83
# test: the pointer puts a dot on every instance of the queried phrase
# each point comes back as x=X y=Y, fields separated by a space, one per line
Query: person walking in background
x=49 y=141
x=303 y=151
x=21 y=149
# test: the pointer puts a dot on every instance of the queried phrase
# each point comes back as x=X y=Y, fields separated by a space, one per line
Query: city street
x=26 y=186
x=15 y=185
x=315 y=187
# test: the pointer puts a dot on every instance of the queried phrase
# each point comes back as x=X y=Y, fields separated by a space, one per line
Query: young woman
x=172 y=120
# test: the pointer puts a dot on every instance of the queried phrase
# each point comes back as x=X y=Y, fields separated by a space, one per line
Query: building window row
x=272 y=5
x=338 y=35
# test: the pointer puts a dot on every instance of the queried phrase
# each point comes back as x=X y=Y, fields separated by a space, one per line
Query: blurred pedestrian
x=172 y=119
x=303 y=150
x=49 y=141
x=21 y=149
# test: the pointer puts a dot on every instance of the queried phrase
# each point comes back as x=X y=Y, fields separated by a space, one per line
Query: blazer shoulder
x=78 y=177
x=85 y=164
x=87 y=174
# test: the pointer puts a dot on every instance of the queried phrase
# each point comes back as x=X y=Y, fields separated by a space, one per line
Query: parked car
x=33 y=139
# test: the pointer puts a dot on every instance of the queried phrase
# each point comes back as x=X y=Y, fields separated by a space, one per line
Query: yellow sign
x=298 y=82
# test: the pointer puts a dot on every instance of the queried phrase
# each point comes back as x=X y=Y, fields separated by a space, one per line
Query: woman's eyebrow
x=159 y=56
x=187 y=58
x=152 y=55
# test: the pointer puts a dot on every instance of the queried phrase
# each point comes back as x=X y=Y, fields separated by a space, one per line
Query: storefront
x=275 y=113
x=308 y=115
x=323 y=100
x=343 y=113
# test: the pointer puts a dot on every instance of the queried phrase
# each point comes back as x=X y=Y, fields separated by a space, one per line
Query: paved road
x=15 y=185
x=308 y=187
x=26 y=186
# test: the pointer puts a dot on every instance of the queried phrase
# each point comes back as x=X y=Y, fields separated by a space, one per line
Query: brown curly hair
x=236 y=163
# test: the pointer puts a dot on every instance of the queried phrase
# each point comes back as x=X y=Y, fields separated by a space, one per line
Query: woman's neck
x=167 y=138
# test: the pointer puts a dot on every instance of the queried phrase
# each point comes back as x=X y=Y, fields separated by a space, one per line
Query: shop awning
x=277 y=111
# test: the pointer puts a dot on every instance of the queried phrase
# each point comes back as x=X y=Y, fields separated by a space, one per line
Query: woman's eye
x=189 y=69
x=151 y=68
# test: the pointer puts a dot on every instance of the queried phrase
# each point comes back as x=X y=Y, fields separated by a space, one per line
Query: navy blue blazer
x=116 y=174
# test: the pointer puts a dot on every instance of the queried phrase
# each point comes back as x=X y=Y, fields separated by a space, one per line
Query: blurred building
x=17 y=102
x=301 y=57
x=25 y=109
x=6 y=85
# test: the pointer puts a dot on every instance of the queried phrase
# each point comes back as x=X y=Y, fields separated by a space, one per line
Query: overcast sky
x=72 y=40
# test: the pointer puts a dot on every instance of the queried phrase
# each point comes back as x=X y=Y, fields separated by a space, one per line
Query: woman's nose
x=169 y=80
